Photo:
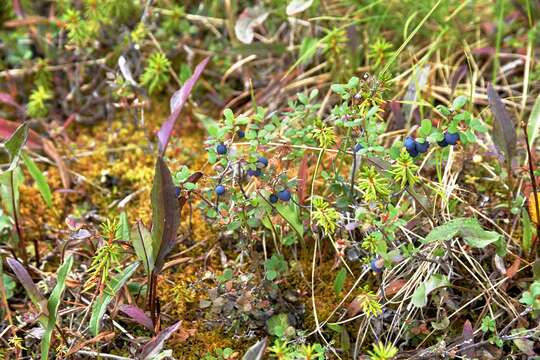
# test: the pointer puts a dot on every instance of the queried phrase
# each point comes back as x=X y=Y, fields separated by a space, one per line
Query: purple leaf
x=155 y=345
x=9 y=100
x=138 y=315
x=504 y=129
x=31 y=289
x=165 y=214
x=178 y=100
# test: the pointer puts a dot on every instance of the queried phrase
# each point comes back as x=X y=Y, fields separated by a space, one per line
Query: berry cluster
x=261 y=163
x=415 y=147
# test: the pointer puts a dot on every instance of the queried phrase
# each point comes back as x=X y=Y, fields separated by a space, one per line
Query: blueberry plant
x=255 y=157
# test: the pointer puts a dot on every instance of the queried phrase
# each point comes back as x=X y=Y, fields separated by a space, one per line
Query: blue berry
x=221 y=149
x=257 y=172
x=284 y=195
x=358 y=147
x=263 y=161
x=177 y=191
x=422 y=147
x=240 y=133
x=273 y=198
x=413 y=152
x=409 y=144
x=442 y=143
x=451 y=138
x=377 y=265
x=220 y=190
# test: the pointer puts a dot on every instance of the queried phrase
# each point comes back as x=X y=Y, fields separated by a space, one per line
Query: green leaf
x=526 y=242
x=142 y=244
x=278 y=324
x=39 y=178
x=291 y=213
x=425 y=128
x=459 y=102
x=123 y=230
x=534 y=122
x=470 y=230
x=14 y=145
x=419 y=297
x=339 y=282
x=100 y=305
x=53 y=304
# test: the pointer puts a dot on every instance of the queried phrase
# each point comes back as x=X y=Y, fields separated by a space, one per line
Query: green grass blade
x=39 y=178
x=534 y=122
x=53 y=305
x=100 y=306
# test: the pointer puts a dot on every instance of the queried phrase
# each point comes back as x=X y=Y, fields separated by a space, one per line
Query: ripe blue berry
x=413 y=152
x=284 y=195
x=410 y=144
x=220 y=190
x=442 y=143
x=263 y=161
x=422 y=147
x=358 y=147
x=256 y=173
x=240 y=133
x=377 y=265
x=177 y=191
x=221 y=149
x=451 y=138
x=273 y=198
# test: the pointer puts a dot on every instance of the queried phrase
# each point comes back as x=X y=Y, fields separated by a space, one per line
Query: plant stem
x=533 y=182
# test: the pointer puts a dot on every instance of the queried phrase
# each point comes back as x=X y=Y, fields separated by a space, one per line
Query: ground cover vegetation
x=288 y=179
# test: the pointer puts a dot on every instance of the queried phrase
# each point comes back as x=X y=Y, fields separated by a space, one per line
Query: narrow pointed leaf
x=142 y=244
x=32 y=291
x=7 y=128
x=39 y=178
x=504 y=129
x=533 y=124
x=138 y=315
x=101 y=303
x=155 y=345
x=53 y=304
x=123 y=229
x=14 y=145
x=179 y=99
x=165 y=214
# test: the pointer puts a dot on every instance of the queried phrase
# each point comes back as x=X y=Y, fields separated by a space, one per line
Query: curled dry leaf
x=247 y=21
x=297 y=6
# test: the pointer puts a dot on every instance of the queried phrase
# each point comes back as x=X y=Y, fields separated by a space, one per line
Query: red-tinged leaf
x=354 y=308
x=256 y=351
x=32 y=291
x=302 y=179
x=178 y=100
x=7 y=128
x=514 y=268
x=468 y=339
x=155 y=345
x=138 y=315
x=9 y=100
x=165 y=214
x=394 y=287
x=504 y=129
